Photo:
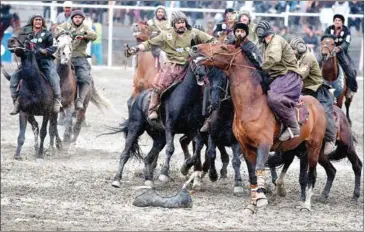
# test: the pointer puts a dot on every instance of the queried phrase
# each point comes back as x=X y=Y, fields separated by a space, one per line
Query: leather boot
x=206 y=126
x=290 y=133
x=16 y=107
x=57 y=104
x=155 y=100
x=151 y=198
x=82 y=92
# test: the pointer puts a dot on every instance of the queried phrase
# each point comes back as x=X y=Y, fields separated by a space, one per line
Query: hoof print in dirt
x=149 y=198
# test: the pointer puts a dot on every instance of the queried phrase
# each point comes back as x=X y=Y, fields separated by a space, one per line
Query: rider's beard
x=239 y=40
x=178 y=31
x=160 y=17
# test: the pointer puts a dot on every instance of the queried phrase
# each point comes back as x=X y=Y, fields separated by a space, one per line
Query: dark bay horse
x=255 y=125
x=180 y=111
x=345 y=148
x=35 y=98
x=330 y=73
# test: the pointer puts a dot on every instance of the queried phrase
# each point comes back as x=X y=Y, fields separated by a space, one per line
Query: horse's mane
x=325 y=36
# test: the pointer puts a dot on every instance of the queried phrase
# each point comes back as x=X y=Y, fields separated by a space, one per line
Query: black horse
x=345 y=148
x=35 y=99
x=220 y=134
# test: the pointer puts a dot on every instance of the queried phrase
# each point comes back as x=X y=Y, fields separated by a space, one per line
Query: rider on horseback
x=342 y=41
x=176 y=44
x=43 y=41
x=313 y=85
x=156 y=25
x=245 y=17
x=82 y=35
x=281 y=66
x=241 y=32
x=226 y=26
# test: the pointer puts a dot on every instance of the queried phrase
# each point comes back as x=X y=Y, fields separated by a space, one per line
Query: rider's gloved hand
x=42 y=51
x=337 y=49
x=131 y=51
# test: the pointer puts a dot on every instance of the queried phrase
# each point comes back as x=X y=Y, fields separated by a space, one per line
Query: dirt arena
x=74 y=192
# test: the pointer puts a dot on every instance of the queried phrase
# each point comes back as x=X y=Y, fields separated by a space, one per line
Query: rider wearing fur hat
x=42 y=39
x=176 y=43
x=313 y=85
x=342 y=41
x=280 y=64
x=82 y=35
x=244 y=16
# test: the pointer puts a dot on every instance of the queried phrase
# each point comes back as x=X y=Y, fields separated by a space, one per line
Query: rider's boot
x=82 y=92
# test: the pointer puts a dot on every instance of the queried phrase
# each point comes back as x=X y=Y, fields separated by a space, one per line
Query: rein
x=211 y=58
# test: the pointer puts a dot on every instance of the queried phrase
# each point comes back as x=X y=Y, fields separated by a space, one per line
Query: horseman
x=82 y=35
x=176 y=44
x=314 y=86
x=226 y=26
x=342 y=41
x=43 y=41
x=241 y=32
x=156 y=25
x=280 y=64
x=245 y=17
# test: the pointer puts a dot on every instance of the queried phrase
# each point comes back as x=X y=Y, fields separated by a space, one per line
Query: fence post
x=286 y=19
x=110 y=33
x=53 y=12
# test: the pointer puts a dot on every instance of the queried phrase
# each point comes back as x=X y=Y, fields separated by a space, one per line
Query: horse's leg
x=213 y=176
x=330 y=171
x=303 y=175
x=189 y=161
x=54 y=130
x=236 y=163
x=67 y=136
x=159 y=143
x=225 y=161
x=184 y=142
x=261 y=159
x=313 y=148
x=250 y=155
x=35 y=128
x=80 y=115
x=288 y=159
x=43 y=134
x=347 y=105
x=23 y=118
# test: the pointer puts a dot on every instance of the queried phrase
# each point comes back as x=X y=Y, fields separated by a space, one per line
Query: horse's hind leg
x=43 y=134
x=189 y=161
x=23 y=117
x=236 y=163
x=35 y=129
x=288 y=159
x=67 y=136
x=331 y=173
x=159 y=143
x=347 y=105
x=213 y=176
x=53 y=133
x=356 y=167
x=170 y=148
x=184 y=142
x=80 y=115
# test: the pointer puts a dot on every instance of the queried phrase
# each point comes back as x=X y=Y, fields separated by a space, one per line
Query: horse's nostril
x=195 y=49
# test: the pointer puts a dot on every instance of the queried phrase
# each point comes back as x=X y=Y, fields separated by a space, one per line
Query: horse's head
x=221 y=56
x=18 y=47
x=141 y=31
x=327 y=46
x=64 y=50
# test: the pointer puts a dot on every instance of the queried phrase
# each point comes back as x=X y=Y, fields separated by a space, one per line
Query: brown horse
x=330 y=72
x=255 y=126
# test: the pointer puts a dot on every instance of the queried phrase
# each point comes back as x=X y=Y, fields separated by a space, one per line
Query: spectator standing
x=65 y=15
x=97 y=48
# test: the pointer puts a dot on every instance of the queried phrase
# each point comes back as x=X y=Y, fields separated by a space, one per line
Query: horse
x=255 y=125
x=8 y=20
x=220 y=135
x=35 y=99
x=330 y=72
x=345 y=148
x=186 y=97
x=69 y=87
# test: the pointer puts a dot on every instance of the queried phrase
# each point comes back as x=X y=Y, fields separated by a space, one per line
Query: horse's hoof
x=18 y=157
x=149 y=183
x=238 y=191
x=184 y=169
x=262 y=202
x=323 y=199
x=116 y=184
x=249 y=210
x=280 y=190
x=163 y=178
x=213 y=176
x=305 y=208
x=354 y=199
x=197 y=186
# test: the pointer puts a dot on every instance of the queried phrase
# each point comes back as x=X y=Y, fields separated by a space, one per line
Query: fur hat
x=241 y=26
x=78 y=12
x=339 y=16
x=162 y=8
x=298 y=44
x=179 y=15
x=263 y=29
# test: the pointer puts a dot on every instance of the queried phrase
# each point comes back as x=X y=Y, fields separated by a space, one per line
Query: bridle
x=331 y=53
x=231 y=62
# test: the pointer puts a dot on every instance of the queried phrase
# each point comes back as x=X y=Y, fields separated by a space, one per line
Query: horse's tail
x=6 y=74
x=123 y=128
x=99 y=100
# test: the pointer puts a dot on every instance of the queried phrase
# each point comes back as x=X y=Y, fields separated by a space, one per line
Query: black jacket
x=343 y=40
x=43 y=39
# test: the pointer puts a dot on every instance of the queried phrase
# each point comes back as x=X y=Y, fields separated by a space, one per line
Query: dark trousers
x=349 y=69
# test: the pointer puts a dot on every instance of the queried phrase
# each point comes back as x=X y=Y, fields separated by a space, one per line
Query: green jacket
x=279 y=58
x=310 y=71
x=78 y=46
x=176 y=48
x=156 y=26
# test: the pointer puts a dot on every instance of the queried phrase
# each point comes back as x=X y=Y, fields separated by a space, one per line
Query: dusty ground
x=65 y=192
